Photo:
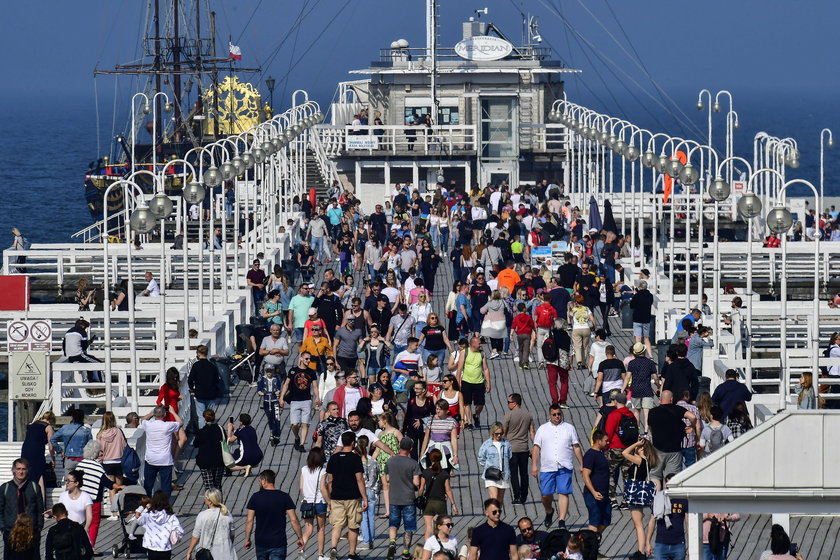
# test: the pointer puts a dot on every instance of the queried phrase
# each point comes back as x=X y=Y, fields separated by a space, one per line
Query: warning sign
x=29 y=335
x=28 y=376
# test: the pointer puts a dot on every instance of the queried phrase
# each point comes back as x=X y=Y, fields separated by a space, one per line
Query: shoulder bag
x=307 y=509
x=204 y=553
x=494 y=474
x=227 y=456
x=639 y=492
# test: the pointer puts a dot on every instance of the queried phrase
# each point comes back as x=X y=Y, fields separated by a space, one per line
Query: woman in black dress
x=208 y=446
x=420 y=407
x=249 y=454
x=38 y=434
x=429 y=261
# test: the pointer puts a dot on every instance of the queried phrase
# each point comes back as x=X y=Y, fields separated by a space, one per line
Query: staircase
x=314 y=178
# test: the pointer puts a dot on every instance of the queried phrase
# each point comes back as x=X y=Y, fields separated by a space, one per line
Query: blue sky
x=766 y=45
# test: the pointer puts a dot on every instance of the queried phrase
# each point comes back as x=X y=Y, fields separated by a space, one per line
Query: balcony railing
x=399 y=140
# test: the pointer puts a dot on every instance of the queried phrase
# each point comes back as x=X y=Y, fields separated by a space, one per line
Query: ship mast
x=431 y=51
x=176 y=63
x=157 y=66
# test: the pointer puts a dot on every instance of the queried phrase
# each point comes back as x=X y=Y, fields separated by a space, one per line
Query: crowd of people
x=386 y=378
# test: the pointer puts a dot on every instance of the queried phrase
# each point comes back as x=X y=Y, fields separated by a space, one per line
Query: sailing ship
x=179 y=53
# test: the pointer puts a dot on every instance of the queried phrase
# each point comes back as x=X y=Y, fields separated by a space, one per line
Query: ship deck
x=817 y=536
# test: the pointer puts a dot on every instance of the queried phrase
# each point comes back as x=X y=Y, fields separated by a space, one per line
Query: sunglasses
x=527 y=529
x=557 y=414
x=497 y=434
x=450 y=525
x=494 y=512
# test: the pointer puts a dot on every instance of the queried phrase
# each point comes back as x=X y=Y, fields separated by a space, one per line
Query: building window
x=448 y=115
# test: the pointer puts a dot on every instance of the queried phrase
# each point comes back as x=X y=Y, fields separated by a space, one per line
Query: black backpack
x=628 y=430
x=549 y=350
x=555 y=542
x=64 y=545
x=719 y=535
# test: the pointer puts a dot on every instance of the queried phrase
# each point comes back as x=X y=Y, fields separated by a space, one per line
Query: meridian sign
x=483 y=47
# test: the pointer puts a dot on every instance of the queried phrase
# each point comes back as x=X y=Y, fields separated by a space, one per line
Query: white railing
x=325 y=165
x=399 y=139
x=545 y=137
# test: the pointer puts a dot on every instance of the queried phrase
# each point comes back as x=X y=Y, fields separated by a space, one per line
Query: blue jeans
x=278 y=553
x=444 y=240
x=371 y=272
x=435 y=233
x=151 y=472
x=708 y=555
x=369 y=518
x=317 y=247
x=299 y=332
x=689 y=457
x=669 y=551
x=200 y=406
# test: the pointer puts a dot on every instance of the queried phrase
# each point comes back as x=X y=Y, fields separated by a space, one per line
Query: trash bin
x=661 y=350
x=626 y=317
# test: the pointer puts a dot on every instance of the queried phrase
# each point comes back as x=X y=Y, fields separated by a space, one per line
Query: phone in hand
x=794 y=549
x=230 y=419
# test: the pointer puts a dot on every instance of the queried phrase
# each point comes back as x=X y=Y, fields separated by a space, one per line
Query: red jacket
x=611 y=426
x=338 y=397
x=522 y=324
x=545 y=315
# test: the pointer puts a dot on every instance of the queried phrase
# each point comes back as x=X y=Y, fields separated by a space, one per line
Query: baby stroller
x=128 y=500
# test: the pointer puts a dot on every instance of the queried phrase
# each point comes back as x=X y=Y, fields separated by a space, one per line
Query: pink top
x=112 y=443
x=707 y=522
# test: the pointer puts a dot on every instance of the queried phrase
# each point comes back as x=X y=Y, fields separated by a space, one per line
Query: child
x=526 y=334
x=715 y=434
x=268 y=390
x=574 y=548
x=526 y=552
x=807 y=399
x=433 y=369
x=131 y=526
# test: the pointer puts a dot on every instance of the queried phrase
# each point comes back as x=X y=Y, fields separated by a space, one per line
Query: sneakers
x=392 y=550
x=525 y=366
x=563 y=405
x=614 y=504
x=494 y=355
x=561 y=524
x=364 y=546
x=274 y=441
x=549 y=517
x=476 y=421
x=301 y=555
x=516 y=358
x=333 y=554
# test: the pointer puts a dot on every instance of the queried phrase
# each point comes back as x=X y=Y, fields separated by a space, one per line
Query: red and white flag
x=235 y=52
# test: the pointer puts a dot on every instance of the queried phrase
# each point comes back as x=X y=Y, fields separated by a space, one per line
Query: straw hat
x=638 y=349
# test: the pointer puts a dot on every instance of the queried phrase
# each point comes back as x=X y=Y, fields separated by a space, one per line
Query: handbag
x=227 y=456
x=420 y=502
x=204 y=553
x=639 y=492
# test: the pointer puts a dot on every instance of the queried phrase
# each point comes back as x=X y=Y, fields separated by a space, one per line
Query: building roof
x=785 y=465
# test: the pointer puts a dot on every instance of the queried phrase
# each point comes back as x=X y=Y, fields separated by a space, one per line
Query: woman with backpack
x=717 y=534
x=555 y=351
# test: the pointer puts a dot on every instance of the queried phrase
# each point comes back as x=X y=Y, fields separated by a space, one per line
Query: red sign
x=14 y=293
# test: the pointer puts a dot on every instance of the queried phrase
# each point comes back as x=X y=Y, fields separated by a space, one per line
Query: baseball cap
x=312 y=311
x=406 y=444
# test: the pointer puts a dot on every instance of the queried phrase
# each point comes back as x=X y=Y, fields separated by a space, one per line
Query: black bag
x=420 y=502
x=549 y=350
x=493 y=474
x=307 y=510
x=449 y=553
x=719 y=535
x=628 y=430
x=204 y=553
x=50 y=478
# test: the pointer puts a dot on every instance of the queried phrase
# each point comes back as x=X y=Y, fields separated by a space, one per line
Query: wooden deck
x=817 y=536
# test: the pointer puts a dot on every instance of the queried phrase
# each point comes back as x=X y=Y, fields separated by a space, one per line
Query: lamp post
x=269 y=83
x=141 y=221
x=823 y=145
x=780 y=220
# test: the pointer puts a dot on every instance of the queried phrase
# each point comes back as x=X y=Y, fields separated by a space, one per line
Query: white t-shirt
x=393 y=294
x=153 y=288
x=556 y=443
x=351 y=399
x=432 y=544
x=311 y=484
x=159 y=441
x=269 y=343
x=598 y=350
x=75 y=508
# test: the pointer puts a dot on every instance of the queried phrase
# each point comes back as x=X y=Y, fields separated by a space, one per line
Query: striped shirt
x=94 y=481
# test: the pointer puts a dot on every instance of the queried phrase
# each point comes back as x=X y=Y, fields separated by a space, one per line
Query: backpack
x=628 y=430
x=130 y=463
x=719 y=535
x=555 y=542
x=549 y=350
x=716 y=439
x=64 y=545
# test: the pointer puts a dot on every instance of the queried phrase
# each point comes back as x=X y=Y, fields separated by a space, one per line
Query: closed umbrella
x=594 y=214
x=609 y=220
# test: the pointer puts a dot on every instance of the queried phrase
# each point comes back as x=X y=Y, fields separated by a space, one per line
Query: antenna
x=534 y=29
x=485 y=11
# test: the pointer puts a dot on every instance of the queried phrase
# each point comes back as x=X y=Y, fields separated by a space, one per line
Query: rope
x=96 y=103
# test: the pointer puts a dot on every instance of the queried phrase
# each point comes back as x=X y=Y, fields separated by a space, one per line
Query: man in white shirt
x=555 y=445
x=274 y=349
x=159 y=460
x=152 y=289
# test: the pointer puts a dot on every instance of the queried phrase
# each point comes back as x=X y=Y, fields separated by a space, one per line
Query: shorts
x=556 y=482
x=347 y=363
x=320 y=509
x=668 y=463
x=300 y=412
x=600 y=512
x=641 y=329
x=408 y=514
x=435 y=507
x=473 y=393
x=113 y=469
x=479 y=224
x=642 y=402
x=346 y=513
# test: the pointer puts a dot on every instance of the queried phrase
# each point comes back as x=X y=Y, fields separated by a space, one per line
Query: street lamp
x=823 y=145
x=269 y=83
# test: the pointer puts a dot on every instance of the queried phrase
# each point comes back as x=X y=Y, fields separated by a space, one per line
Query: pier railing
x=382 y=140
